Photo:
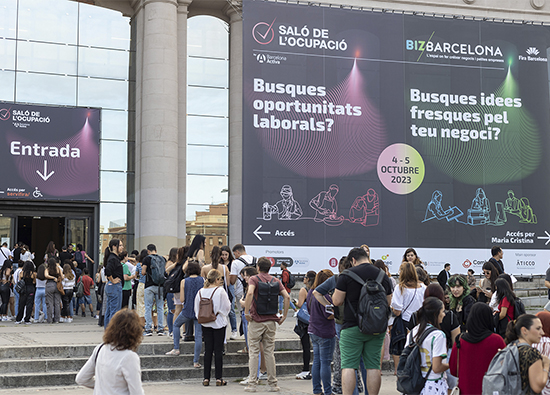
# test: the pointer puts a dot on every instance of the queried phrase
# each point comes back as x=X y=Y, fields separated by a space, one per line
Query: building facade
x=168 y=77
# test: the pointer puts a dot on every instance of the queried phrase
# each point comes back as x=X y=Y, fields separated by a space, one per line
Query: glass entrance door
x=77 y=231
x=6 y=231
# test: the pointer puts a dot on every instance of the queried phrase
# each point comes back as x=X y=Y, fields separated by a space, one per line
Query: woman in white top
x=406 y=299
x=115 y=363
x=214 y=331
x=434 y=346
x=68 y=287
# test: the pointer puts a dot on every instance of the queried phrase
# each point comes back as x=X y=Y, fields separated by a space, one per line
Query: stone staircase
x=31 y=366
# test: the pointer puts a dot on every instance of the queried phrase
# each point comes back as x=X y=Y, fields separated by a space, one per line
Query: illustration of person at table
x=326 y=207
x=435 y=209
x=365 y=209
x=478 y=213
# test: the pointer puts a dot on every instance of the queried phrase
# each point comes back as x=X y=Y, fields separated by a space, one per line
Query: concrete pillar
x=234 y=11
x=157 y=140
x=183 y=13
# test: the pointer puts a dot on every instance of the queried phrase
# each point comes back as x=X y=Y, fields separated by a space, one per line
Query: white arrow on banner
x=257 y=232
x=45 y=176
x=547 y=237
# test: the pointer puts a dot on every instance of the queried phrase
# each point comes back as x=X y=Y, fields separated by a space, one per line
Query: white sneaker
x=262 y=376
x=234 y=335
x=244 y=381
x=69 y=320
x=302 y=375
x=62 y=319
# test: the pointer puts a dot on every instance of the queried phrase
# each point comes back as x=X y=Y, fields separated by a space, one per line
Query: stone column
x=157 y=140
x=183 y=13
x=234 y=11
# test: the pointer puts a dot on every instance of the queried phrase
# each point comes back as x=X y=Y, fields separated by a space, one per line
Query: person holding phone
x=322 y=332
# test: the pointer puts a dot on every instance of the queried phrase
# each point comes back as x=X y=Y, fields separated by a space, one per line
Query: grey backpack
x=503 y=376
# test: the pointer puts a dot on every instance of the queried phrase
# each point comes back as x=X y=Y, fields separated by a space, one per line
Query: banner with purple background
x=49 y=153
x=396 y=131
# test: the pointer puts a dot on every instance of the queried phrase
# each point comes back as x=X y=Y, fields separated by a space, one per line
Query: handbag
x=59 y=285
x=20 y=287
x=303 y=314
x=456 y=390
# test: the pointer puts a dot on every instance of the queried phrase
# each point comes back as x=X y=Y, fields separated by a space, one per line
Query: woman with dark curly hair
x=115 y=363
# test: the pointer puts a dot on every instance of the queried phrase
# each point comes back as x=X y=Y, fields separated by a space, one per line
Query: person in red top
x=506 y=304
x=473 y=351
x=87 y=298
x=285 y=279
x=262 y=327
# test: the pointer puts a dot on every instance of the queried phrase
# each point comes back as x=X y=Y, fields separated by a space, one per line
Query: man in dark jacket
x=444 y=275
x=496 y=260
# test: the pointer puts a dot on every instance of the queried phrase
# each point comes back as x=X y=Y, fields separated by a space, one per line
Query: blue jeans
x=170 y=316
x=232 y=317
x=114 y=300
x=40 y=300
x=245 y=327
x=16 y=294
x=281 y=303
x=323 y=350
x=154 y=294
x=180 y=320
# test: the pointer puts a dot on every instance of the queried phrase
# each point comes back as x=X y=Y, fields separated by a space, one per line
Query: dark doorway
x=37 y=232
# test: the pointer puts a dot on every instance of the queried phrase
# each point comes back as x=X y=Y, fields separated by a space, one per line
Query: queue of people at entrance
x=48 y=292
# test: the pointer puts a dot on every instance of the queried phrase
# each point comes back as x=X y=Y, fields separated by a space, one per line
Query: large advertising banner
x=49 y=153
x=394 y=131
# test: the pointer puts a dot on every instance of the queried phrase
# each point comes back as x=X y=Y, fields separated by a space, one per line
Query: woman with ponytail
x=434 y=346
x=533 y=366
x=214 y=332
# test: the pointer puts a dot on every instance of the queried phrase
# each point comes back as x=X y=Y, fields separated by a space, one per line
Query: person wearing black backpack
x=354 y=343
x=153 y=266
x=260 y=310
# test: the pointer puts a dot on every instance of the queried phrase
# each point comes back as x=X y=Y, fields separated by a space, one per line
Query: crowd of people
x=459 y=324
x=51 y=291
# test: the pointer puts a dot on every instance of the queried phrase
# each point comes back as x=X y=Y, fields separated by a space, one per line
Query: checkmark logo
x=4 y=114
x=263 y=32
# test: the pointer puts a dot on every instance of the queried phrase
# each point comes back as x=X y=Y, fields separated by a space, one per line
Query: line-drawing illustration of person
x=365 y=209
x=286 y=209
x=326 y=207
x=526 y=212
x=435 y=210
x=512 y=204
x=478 y=213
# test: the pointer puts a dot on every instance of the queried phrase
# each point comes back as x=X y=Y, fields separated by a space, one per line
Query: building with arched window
x=170 y=80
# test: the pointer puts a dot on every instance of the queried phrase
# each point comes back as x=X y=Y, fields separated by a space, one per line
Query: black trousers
x=213 y=344
x=306 y=351
x=67 y=299
x=5 y=295
x=26 y=300
x=126 y=297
